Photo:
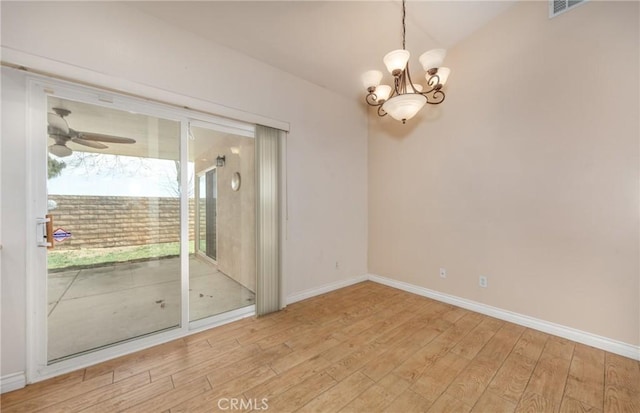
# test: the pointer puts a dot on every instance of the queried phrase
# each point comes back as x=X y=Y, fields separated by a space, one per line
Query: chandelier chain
x=404 y=28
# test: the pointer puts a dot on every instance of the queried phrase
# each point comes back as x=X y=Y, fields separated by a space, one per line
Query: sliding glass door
x=222 y=272
x=145 y=225
x=113 y=266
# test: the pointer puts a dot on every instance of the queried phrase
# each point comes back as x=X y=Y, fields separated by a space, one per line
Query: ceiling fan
x=61 y=133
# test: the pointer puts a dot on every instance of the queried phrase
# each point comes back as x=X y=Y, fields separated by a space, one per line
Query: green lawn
x=88 y=257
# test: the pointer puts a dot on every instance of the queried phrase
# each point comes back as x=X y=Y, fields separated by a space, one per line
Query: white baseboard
x=303 y=295
x=17 y=381
x=593 y=340
x=12 y=382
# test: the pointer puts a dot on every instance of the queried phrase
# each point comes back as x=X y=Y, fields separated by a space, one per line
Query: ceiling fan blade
x=104 y=138
x=55 y=121
x=91 y=144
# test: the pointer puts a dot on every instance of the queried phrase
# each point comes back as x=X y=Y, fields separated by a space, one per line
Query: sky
x=115 y=175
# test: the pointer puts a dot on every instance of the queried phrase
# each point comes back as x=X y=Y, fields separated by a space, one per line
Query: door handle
x=44 y=231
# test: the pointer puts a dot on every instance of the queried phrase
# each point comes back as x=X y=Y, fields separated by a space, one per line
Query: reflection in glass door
x=205 y=213
x=201 y=215
x=210 y=211
x=113 y=197
x=222 y=272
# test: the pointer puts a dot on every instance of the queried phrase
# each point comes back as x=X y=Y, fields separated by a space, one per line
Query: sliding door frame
x=38 y=89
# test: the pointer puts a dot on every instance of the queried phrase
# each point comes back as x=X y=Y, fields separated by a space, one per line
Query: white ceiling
x=329 y=43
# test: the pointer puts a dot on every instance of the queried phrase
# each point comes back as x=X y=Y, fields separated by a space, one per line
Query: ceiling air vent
x=560 y=6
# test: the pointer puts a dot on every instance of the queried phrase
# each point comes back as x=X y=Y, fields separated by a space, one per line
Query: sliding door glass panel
x=113 y=273
x=222 y=270
x=205 y=213
x=201 y=214
x=210 y=211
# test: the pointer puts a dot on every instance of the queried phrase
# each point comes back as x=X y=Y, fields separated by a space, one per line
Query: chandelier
x=404 y=99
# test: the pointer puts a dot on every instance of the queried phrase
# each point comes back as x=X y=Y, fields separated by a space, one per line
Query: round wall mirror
x=235 y=181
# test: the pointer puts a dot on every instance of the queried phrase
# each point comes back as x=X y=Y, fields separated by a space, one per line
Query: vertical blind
x=268 y=266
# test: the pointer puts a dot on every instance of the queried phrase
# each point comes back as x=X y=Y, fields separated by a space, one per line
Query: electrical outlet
x=337 y=265
x=483 y=282
x=443 y=273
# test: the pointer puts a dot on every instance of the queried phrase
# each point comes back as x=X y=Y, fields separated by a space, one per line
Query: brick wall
x=105 y=221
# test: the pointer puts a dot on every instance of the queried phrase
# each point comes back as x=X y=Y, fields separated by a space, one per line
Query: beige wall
x=114 y=41
x=236 y=210
x=528 y=173
x=237 y=215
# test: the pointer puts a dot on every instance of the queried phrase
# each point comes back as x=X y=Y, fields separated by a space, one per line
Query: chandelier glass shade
x=404 y=106
x=404 y=99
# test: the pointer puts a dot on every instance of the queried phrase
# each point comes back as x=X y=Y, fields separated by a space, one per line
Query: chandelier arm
x=396 y=87
x=381 y=111
x=372 y=99
x=434 y=80
x=410 y=81
x=403 y=82
x=439 y=96
x=433 y=90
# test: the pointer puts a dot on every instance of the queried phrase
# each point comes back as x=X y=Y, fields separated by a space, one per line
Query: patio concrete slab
x=94 y=281
x=155 y=272
x=199 y=267
x=56 y=286
x=216 y=293
x=85 y=323
x=102 y=306
x=57 y=274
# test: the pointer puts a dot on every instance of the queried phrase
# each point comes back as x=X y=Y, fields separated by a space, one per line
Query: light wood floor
x=365 y=348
